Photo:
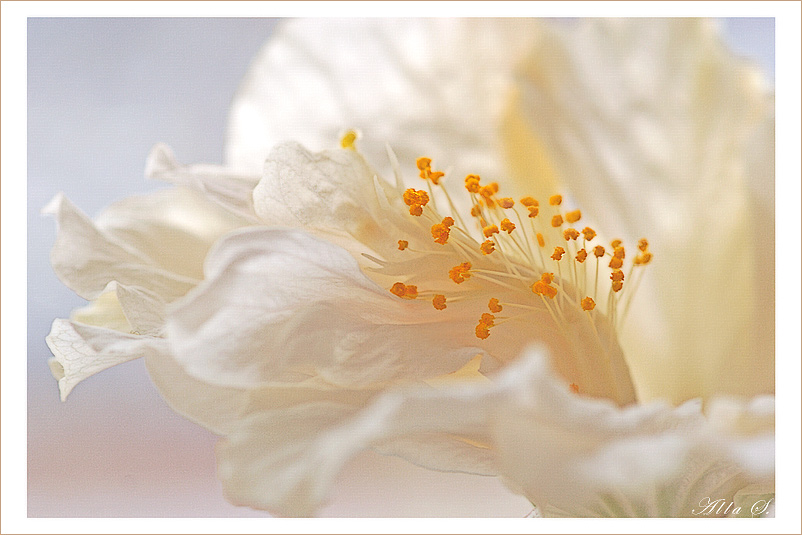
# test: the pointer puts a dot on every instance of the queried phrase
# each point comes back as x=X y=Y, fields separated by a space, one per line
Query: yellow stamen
x=460 y=273
x=490 y=230
x=573 y=217
x=404 y=291
x=507 y=225
x=570 y=234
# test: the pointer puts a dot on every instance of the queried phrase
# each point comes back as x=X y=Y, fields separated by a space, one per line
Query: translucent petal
x=646 y=123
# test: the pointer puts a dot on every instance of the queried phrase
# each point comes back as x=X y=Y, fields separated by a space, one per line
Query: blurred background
x=101 y=93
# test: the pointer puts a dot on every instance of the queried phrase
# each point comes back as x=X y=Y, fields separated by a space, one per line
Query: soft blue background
x=101 y=92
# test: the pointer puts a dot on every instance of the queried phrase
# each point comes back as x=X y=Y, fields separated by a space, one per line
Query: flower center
x=530 y=258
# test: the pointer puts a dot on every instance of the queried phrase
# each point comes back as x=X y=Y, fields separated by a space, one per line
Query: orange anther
x=581 y=255
x=434 y=176
x=574 y=388
x=476 y=210
x=506 y=202
x=402 y=244
x=460 y=273
x=507 y=225
x=487 y=247
x=404 y=291
x=615 y=243
x=490 y=230
x=598 y=251
x=494 y=306
x=439 y=302
x=573 y=217
x=558 y=253
x=556 y=221
x=643 y=244
x=619 y=252
x=423 y=163
x=440 y=232
x=588 y=304
x=548 y=278
x=617 y=275
x=541 y=288
x=540 y=240
x=617 y=285
x=643 y=259
x=616 y=263
x=533 y=211
x=555 y=200
x=529 y=201
x=482 y=331
x=589 y=233
x=570 y=234
x=487 y=319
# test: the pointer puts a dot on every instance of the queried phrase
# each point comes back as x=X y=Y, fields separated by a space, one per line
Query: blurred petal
x=398 y=81
x=645 y=123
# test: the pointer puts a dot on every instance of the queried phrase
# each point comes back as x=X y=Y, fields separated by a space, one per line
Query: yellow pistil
x=348 y=140
x=402 y=244
x=460 y=273
x=556 y=221
x=439 y=302
x=507 y=225
x=494 y=306
x=487 y=247
x=404 y=291
x=588 y=304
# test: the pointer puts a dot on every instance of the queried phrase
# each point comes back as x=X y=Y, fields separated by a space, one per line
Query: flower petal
x=282 y=305
x=81 y=351
x=646 y=123
x=398 y=81
x=233 y=191
x=156 y=242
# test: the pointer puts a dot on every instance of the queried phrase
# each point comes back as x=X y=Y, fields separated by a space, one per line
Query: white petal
x=279 y=303
x=86 y=258
x=426 y=87
x=81 y=351
x=646 y=123
x=233 y=191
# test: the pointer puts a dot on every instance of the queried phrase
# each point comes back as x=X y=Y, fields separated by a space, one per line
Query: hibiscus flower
x=454 y=324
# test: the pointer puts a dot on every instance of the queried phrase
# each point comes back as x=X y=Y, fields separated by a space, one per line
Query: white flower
x=362 y=314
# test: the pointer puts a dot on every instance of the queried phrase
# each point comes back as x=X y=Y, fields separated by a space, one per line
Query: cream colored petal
x=277 y=303
x=232 y=191
x=426 y=87
x=81 y=351
x=86 y=258
x=646 y=123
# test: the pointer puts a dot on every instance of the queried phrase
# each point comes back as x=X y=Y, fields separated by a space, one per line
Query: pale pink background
x=101 y=93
